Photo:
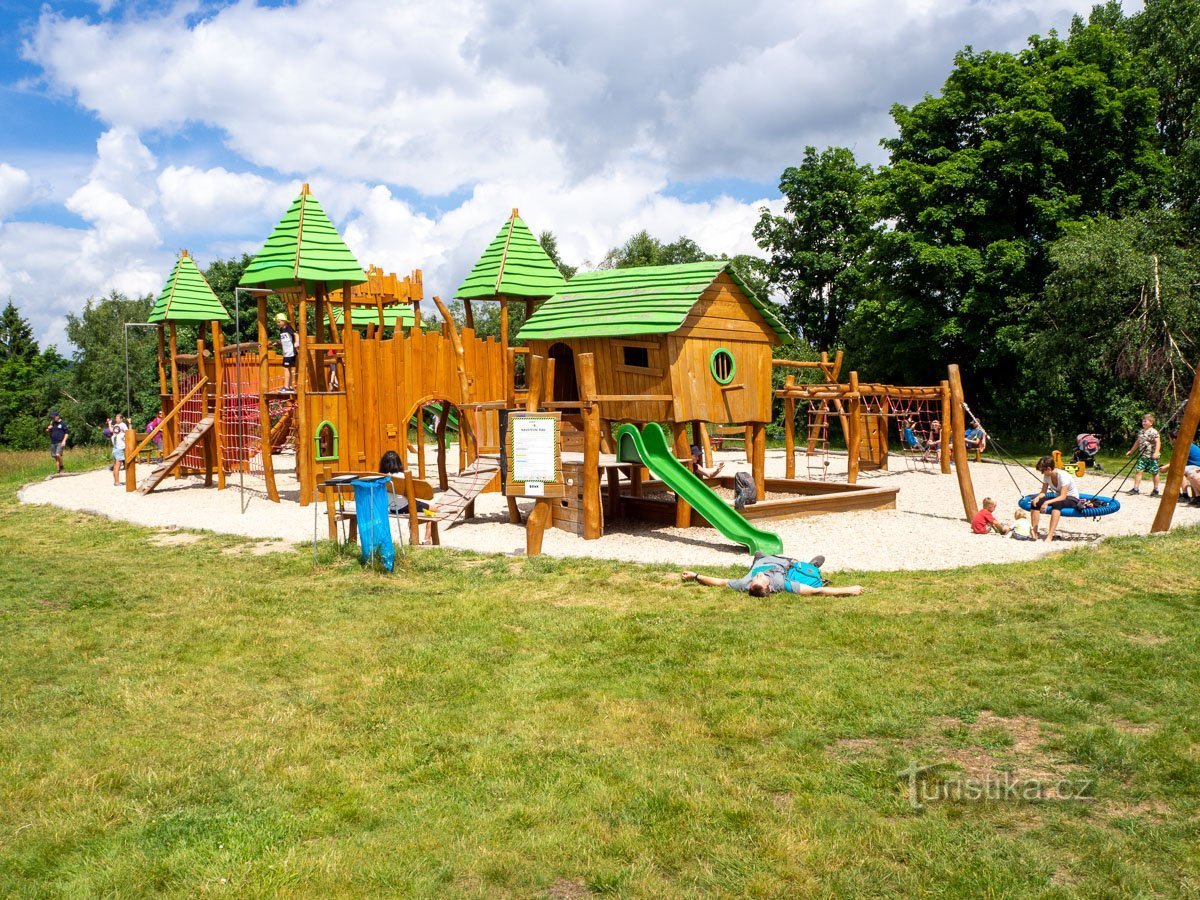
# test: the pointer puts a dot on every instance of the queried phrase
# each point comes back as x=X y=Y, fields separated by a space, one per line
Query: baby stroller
x=1086 y=447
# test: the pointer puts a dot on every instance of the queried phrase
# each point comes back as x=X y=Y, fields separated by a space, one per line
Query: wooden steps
x=203 y=427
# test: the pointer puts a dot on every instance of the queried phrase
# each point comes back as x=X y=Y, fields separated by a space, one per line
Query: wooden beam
x=854 y=439
x=945 y=449
x=1179 y=455
x=965 y=487
x=758 y=440
x=218 y=403
x=789 y=429
x=683 y=511
x=593 y=525
x=264 y=407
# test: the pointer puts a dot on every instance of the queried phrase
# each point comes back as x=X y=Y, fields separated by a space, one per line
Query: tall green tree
x=817 y=249
x=1117 y=335
x=20 y=377
x=1167 y=32
x=982 y=178
x=549 y=243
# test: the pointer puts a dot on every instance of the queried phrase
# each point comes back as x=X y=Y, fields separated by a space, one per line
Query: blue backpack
x=804 y=573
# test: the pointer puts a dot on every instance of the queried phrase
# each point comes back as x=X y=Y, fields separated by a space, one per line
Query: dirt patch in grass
x=1147 y=639
x=1136 y=728
x=569 y=889
x=174 y=538
x=262 y=548
x=989 y=745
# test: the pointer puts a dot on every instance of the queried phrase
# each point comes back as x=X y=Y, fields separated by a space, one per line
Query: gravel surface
x=925 y=531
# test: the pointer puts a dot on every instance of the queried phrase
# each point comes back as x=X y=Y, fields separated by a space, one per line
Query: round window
x=722 y=366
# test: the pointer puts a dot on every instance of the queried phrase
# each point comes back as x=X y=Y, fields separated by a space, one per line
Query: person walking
x=57 y=429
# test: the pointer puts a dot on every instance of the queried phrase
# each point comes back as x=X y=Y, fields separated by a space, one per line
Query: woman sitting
x=391 y=464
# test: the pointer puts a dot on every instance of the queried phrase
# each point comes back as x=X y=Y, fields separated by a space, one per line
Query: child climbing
x=1148 y=446
x=288 y=349
x=985 y=520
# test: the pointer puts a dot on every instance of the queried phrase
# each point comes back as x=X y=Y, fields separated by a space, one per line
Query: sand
x=925 y=531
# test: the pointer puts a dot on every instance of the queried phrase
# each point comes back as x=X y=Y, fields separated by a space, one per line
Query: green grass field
x=195 y=719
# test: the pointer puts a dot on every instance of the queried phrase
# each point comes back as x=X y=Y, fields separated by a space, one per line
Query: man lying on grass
x=779 y=574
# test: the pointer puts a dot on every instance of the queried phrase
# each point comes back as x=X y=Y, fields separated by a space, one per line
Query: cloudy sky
x=131 y=130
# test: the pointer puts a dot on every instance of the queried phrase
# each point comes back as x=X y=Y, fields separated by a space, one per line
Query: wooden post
x=1179 y=455
x=758 y=439
x=304 y=469
x=965 y=487
x=173 y=436
x=854 y=442
x=131 y=442
x=264 y=406
x=945 y=449
x=205 y=397
x=443 y=482
x=705 y=444
x=789 y=429
x=585 y=367
x=535 y=526
x=218 y=340
x=885 y=408
x=466 y=430
x=504 y=325
x=683 y=511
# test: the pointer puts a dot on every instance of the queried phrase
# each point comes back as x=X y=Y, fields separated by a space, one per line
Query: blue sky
x=132 y=130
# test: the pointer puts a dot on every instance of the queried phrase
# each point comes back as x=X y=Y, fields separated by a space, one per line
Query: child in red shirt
x=985 y=519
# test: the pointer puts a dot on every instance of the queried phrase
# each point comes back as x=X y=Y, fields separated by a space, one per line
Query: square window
x=638 y=357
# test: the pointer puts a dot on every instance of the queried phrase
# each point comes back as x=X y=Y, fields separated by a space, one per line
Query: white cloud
x=16 y=189
x=586 y=115
x=217 y=200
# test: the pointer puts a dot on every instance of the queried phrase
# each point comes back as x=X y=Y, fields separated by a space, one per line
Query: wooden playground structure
x=688 y=346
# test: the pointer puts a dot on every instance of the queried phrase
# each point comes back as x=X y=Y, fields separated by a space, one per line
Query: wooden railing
x=167 y=418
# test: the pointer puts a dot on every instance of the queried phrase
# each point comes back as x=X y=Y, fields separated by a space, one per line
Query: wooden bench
x=404 y=485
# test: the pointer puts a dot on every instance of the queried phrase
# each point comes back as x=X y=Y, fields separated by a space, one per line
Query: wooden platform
x=810 y=498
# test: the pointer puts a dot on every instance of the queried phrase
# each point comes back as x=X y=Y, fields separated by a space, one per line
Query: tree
x=20 y=377
x=644 y=250
x=817 y=249
x=98 y=333
x=223 y=276
x=549 y=243
x=982 y=178
x=1167 y=32
x=1118 y=333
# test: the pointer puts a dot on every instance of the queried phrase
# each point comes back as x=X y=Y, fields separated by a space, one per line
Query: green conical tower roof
x=186 y=297
x=304 y=247
x=514 y=264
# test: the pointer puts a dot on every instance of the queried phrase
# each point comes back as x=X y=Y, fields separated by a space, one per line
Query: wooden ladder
x=167 y=466
x=462 y=489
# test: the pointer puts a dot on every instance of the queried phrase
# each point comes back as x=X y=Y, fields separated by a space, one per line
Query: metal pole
x=128 y=381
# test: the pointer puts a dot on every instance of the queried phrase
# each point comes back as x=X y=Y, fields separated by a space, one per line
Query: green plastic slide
x=649 y=447
x=436 y=410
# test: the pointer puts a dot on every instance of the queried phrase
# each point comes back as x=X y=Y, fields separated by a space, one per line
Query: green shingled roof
x=514 y=264
x=362 y=316
x=627 y=302
x=304 y=247
x=186 y=297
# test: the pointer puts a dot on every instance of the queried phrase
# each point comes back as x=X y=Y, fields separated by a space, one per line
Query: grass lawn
x=195 y=719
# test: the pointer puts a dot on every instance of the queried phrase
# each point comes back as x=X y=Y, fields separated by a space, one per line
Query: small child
x=1148 y=446
x=985 y=520
x=698 y=464
x=1020 y=529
